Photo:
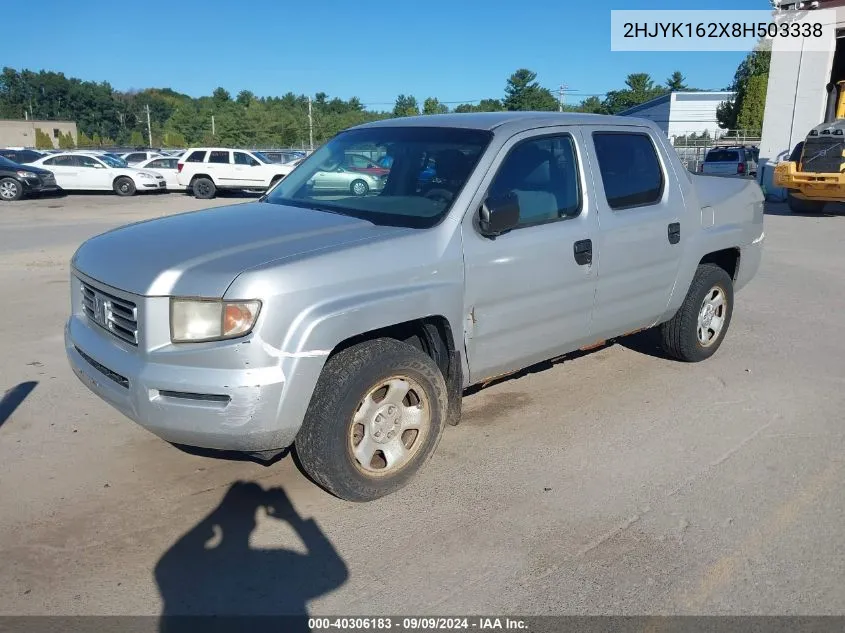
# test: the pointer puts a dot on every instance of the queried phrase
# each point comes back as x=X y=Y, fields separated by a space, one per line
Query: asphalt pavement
x=614 y=482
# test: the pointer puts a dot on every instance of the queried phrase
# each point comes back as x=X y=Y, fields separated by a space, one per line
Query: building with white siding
x=683 y=113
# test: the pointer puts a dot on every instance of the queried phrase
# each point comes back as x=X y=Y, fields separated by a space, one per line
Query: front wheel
x=124 y=186
x=699 y=327
x=10 y=190
x=376 y=416
x=359 y=187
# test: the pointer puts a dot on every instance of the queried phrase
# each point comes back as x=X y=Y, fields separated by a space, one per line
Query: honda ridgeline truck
x=346 y=326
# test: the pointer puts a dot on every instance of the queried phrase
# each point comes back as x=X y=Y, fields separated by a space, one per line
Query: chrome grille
x=117 y=316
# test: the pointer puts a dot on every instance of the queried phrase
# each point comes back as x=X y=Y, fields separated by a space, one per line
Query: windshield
x=262 y=158
x=328 y=180
x=112 y=161
x=5 y=162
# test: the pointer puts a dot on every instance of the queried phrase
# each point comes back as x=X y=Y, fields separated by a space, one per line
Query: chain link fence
x=692 y=147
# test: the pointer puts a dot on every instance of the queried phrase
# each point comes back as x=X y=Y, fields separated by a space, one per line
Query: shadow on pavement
x=831 y=210
x=13 y=398
x=212 y=580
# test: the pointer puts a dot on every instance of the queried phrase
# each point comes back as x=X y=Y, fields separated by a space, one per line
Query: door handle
x=583 y=251
x=674 y=232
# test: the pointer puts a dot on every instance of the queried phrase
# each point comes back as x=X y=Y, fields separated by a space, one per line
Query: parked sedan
x=343 y=179
x=17 y=181
x=167 y=167
x=21 y=156
x=133 y=158
x=87 y=172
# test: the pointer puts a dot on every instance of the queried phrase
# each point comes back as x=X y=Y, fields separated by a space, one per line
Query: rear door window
x=218 y=157
x=630 y=169
x=196 y=157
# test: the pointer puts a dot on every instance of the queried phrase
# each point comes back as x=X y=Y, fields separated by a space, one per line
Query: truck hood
x=200 y=253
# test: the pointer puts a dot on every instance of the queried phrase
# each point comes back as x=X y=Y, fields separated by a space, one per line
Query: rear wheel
x=124 y=186
x=699 y=327
x=204 y=188
x=376 y=416
x=799 y=205
x=10 y=189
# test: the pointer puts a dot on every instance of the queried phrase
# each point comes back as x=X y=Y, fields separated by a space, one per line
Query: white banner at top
x=720 y=30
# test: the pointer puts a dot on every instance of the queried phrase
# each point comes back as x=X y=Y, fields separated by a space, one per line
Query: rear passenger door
x=220 y=168
x=528 y=294
x=641 y=229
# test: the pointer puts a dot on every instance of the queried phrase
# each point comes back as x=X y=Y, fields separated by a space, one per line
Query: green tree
x=755 y=65
x=753 y=104
x=244 y=97
x=66 y=141
x=432 y=106
x=173 y=139
x=676 y=82
x=136 y=139
x=83 y=140
x=592 y=105
x=406 y=106
x=96 y=141
x=221 y=95
x=42 y=139
x=640 y=87
x=522 y=92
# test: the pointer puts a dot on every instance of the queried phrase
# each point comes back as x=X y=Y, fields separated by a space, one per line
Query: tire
x=359 y=187
x=797 y=205
x=10 y=190
x=203 y=188
x=681 y=335
x=124 y=186
x=336 y=424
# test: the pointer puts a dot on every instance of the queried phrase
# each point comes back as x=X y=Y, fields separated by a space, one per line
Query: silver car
x=348 y=325
x=333 y=178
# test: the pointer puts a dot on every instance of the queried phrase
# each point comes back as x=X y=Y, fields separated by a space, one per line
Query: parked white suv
x=204 y=170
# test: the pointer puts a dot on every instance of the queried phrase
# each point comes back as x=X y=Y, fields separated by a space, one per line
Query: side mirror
x=499 y=215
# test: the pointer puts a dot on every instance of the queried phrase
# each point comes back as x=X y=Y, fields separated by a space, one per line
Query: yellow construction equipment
x=815 y=172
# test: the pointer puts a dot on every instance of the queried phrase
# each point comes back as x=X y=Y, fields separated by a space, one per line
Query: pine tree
x=66 y=141
x=42 y=139
x=83 y=140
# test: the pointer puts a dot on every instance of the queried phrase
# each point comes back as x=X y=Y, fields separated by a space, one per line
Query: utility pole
x=213 y=130
x=149 y=127
x=310 y=127
x=562 y=96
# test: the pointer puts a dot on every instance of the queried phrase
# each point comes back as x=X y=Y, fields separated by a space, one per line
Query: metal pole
x=310 y=127
x=149 y=127
x=213 y=130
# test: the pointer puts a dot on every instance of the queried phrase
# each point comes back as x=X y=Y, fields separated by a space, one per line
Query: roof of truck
x=493 y=120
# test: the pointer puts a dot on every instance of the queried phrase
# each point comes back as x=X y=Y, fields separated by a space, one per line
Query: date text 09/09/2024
x=717 y=30
x=417 y=624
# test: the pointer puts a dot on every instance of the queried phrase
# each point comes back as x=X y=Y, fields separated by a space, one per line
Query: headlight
x=146 y=176
x=27 y=174
x=195 y=320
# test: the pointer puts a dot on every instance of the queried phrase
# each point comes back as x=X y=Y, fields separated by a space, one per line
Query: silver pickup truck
x=346 y=324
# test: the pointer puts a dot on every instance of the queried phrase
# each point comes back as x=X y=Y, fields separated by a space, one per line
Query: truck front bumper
x=201 y=406
x=809 y=185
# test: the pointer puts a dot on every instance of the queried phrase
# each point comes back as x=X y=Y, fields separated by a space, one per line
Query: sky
x=455 y=50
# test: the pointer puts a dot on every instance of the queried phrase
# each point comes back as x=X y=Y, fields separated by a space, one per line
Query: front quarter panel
x=313 y=304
